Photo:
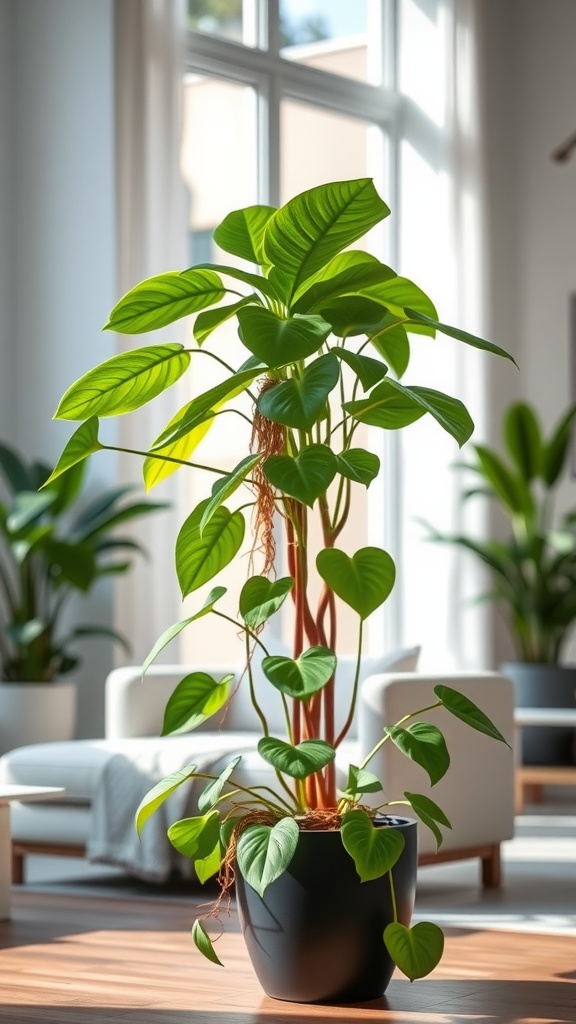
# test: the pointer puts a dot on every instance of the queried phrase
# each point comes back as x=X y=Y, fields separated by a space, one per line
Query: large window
x=281 y=95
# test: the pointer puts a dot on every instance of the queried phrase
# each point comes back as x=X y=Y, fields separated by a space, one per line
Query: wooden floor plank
x=95 y=960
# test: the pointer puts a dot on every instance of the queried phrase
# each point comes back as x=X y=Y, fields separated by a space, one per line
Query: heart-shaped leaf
x=415 y=951
x=352 y=315
x=374 y=850
x=360 y=780
x=173 y=631
x=363 y=581
x=465 y=709
x=204 y=944
x=196 y=837
x=161 y=300
x=429 y=813
x=298 y=761
x=299 y=403
x=304 y=477
x=160 y=792
x=302 y=677
x=358 y=465
x=424 y=744
x=386 y=408
x=260 y=598
x=197 y=697
x=264 y=852
x=200 y=556
x=124 y=382
x=212 y=792
x=278 y=341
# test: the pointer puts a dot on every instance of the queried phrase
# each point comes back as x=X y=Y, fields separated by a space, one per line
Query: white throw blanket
x=125 y=780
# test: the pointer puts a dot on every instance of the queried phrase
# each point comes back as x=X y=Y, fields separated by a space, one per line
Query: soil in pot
x=316 y=936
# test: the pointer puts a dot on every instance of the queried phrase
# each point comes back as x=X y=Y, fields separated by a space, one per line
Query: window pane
x=332 y=35
x=222 y=18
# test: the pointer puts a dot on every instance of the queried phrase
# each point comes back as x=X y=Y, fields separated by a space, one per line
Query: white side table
x=7 y=794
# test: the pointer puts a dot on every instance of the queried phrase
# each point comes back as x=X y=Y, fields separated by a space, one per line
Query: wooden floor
x=96 y=960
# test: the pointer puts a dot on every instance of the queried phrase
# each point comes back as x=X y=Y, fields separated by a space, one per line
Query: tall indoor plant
x=55 y=544
x=306 y=320
x=533 y=566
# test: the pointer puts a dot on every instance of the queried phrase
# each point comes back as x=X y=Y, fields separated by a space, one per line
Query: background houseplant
x=54 y=545
x=306 y=321
x=533 y=568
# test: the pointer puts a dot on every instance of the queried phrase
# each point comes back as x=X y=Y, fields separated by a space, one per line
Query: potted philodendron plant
x=532 y=564
x=325 y=332
x=55 y=544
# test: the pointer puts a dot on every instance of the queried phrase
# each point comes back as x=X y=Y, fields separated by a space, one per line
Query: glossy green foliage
x=264 y=852
x=196 y=698
x=533 y=563
x=56 y=544
x=373 y=849
x=416 y=951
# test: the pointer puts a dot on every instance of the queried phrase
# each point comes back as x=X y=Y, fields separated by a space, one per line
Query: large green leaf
x=242 y=231
x=507 y=486
x=424 y=744
x=84 y=442
x=523 y=439
x=360 y=781
x=465 y=709
x=256 y=281
x=260 y=598
x=415 y=317
x=296 y=761
x=368 y=370
x=400 y=292
x=200 y=556
x=343 y=275
x=204 y=944
x=278 y=341
x=264 y=852
x=299 y=403
x=161 y=300
x=195 y=699
x=416 y=951
x=374 y=850
x=226 y=486
x=358 y=465
x=449 y=412
x=313 y=227
x=351 y=315
x=160 y=465
x=301 y=677
x=304 y=477
x=363 y=581
x=124 y=382
x=160 y=792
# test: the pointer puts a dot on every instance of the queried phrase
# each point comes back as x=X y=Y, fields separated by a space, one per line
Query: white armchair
x=105 y=779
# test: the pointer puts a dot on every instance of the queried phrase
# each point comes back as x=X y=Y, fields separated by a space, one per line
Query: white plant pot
x=36 y=713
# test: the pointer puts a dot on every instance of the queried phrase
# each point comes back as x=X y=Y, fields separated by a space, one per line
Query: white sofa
x=105 y=779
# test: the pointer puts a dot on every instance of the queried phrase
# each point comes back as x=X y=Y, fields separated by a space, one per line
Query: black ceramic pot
x=544 y=686
x=316 y=935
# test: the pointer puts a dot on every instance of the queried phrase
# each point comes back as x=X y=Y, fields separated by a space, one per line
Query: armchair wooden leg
x=492 y=868
x=17 y=868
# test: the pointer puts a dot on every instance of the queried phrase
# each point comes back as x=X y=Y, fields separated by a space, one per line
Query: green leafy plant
x=533 y=568
x=53 y=545
x=326 y=328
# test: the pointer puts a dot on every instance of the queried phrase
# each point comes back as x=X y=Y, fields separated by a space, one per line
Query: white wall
x=57 y=244
x=530 y=91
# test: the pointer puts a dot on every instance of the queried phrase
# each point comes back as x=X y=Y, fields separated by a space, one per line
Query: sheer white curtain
x=442 y=247
x=152 y=217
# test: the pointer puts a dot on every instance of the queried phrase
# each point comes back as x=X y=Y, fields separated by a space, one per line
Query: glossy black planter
x=544 y=686
x=316 y=935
